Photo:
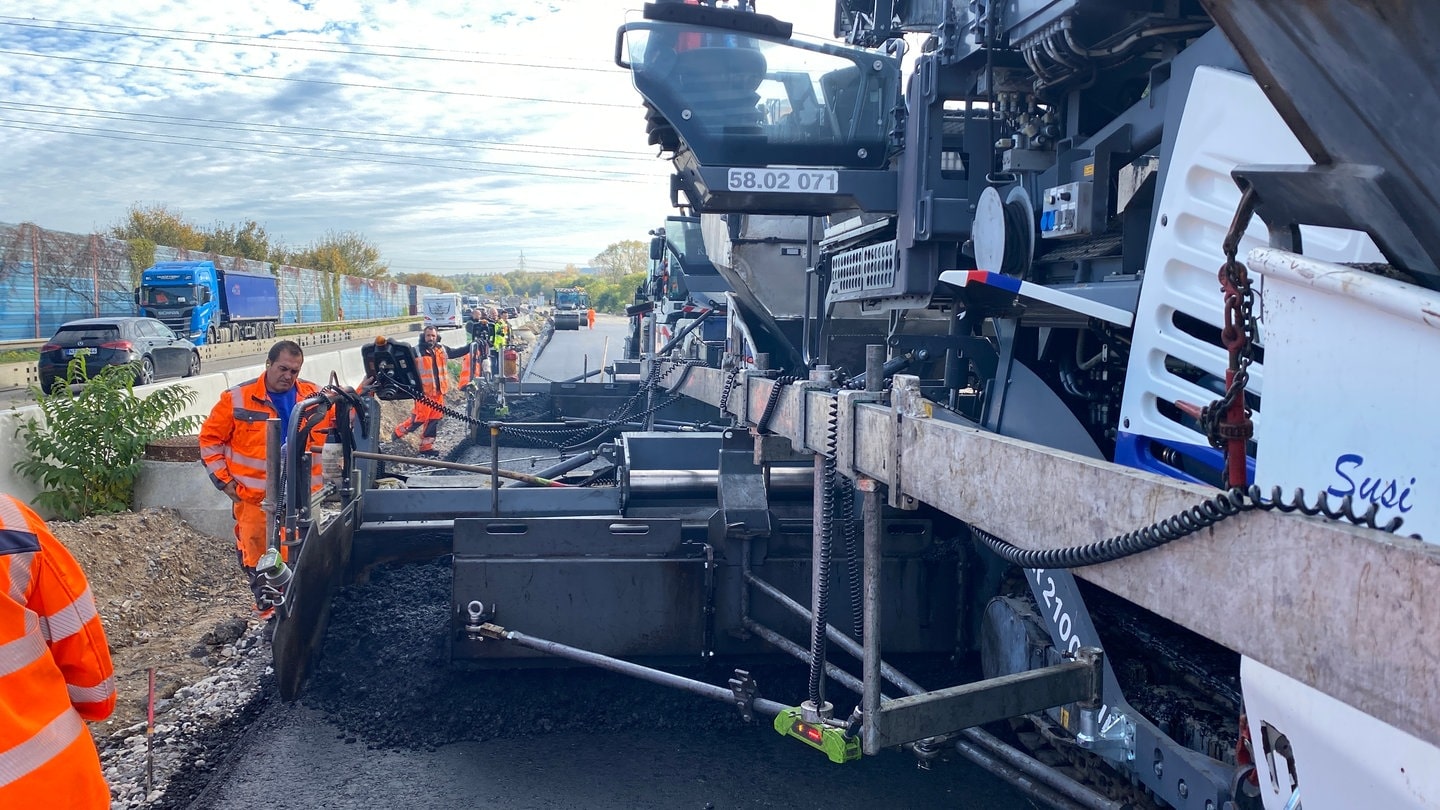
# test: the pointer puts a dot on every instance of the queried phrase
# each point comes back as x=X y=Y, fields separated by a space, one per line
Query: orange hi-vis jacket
x=435 y=376
x=55 y=670
x=435 y=372
x=232 y=440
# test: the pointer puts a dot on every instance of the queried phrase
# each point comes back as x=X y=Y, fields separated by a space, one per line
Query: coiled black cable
x=730 y=380
x=763 y=423
x=822 y=575
x=1203 y=515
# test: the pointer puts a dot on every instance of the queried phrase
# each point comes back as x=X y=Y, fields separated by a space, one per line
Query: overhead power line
x=281 y=43
x=342 y=154
x=324 y=82
x=347 y=134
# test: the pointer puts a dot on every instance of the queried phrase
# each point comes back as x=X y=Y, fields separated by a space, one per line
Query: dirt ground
x=168 y=596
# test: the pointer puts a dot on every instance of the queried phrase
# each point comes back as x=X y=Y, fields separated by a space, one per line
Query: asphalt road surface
x=571 y=354
x=295 y=758
x=387 y=721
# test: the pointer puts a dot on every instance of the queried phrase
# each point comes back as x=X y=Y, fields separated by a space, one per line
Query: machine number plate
x=80 y=352
x=785 y=181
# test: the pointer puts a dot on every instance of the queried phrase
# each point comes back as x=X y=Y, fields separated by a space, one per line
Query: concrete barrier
x=182 y=486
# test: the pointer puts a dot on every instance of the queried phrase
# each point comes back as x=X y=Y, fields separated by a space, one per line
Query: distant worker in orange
x=55 y=670
x=590 y=316
x=434 y=358
x=232 y=447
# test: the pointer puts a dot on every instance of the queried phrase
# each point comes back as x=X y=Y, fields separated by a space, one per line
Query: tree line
x=617 y=270
x=343 y=252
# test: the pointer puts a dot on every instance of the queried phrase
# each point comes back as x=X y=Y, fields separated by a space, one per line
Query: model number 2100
x=1064 y=625
x=784 y=181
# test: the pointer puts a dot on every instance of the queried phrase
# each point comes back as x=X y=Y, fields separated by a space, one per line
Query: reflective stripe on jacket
x=55 y=670
x=232 y=440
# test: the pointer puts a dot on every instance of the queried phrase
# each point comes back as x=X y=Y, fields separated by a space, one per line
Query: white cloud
x=452 y=135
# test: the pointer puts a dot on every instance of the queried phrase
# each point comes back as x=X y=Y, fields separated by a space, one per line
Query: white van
x=442 y=310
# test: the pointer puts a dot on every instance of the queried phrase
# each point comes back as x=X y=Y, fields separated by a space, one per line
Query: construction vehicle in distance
x=570 y=305
x=1115 y=319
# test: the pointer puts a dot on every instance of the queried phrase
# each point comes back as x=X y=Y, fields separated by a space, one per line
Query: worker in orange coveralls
x=590 y=316
x=232 y=448
x=433 y=357
x=55 y=670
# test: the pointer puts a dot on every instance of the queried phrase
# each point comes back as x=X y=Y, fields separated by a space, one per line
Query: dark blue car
x=155 y=349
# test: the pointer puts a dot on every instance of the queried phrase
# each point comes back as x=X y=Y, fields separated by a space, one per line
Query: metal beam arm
x=954 y=708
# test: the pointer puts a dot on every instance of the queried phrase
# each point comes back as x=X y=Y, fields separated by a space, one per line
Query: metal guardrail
x=282 y=329
x=20 y=345
x=24 y=373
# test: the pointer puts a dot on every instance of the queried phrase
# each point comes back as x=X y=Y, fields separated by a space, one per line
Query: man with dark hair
x=433 y=358
x=232 y=447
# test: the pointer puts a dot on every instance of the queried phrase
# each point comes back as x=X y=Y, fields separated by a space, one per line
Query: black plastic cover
x=393 y=369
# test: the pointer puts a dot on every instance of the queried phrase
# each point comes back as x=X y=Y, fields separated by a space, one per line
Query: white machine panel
x=1350 y=362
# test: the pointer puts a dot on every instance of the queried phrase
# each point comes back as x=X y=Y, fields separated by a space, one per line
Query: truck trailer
x=209 y=305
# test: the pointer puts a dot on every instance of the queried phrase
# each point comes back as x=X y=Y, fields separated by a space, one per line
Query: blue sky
x=452 y=135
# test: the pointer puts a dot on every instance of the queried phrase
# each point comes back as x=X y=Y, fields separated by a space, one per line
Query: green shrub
x=84 y=455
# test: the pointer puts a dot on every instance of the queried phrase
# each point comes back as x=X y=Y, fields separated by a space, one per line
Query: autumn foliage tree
x=247 y=240
x=344 y=252
x=622 y=259
x=441 y=283
x=161 y=226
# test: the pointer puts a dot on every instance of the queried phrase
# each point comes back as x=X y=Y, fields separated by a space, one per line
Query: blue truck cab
x=209 y=305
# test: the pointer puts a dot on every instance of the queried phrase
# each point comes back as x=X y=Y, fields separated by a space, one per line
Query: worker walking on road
x=434 y=358
x=232 y=448
x=55 y=670
x=590 y=316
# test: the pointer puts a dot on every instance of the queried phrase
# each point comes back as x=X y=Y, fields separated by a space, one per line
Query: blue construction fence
x=50 y=277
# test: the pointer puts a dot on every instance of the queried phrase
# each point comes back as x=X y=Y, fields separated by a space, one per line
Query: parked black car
x=157 y=350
